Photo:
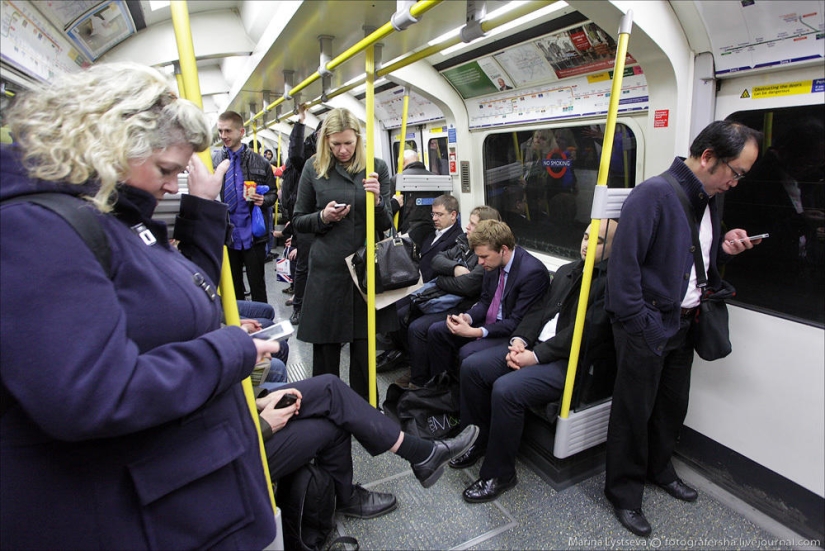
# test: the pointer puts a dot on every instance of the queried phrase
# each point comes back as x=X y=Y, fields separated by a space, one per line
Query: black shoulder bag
x=396 y=264
x=710 y=332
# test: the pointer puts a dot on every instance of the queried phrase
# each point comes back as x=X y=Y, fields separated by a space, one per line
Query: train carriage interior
x=508 y=101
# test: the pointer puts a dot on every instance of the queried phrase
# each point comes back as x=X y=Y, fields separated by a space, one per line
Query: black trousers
x=330 y=414
x=254 y=259
x=650 y=401
x=326 y=359
x=442 y=348
x=495 y=398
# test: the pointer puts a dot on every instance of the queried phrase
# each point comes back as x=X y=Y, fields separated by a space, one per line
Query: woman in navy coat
x=124 y=424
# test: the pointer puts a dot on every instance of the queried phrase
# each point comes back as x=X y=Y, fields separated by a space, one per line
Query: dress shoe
x=289 y=290
x=430 y=470
x=295 y=318
x=680 y=490
x=482 y=491
x=467 y=459
x=367 y=504
x=389 y=360
x=634 y=520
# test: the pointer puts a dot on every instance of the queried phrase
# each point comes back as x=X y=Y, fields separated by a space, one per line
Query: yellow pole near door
x=601 y=180
x=189 y=73
x=371 y=325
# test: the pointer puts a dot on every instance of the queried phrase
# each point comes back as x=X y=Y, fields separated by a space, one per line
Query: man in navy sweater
x=652 y=299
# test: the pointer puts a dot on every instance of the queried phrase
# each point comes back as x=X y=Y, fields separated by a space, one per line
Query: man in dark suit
x=499 y=384
x=445 y=215
x=513 y=281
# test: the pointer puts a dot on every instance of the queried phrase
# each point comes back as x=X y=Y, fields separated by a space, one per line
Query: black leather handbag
x=711 y=338
x=396 y=264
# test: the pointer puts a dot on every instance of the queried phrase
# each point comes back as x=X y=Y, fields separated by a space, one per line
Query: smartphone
x=286 y=401
x=340 y=205
x=752 y=237
x=277 y=332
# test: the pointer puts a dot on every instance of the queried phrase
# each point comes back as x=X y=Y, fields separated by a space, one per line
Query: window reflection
x=784 y=195
x=542 y=181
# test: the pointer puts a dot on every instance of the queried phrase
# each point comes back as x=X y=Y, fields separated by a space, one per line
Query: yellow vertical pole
x=403 y=145
x=371 y=327
x=601 y=180
x=189 y=73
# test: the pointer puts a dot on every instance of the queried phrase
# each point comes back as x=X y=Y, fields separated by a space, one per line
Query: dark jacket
x=526 y=283
x=257 y=169
x=299 y=151
x=562 y=298
x=460 y=254
x=333 y=309
x=651 y=260
x=429 y=250
x=414 y=216
x=128 y=417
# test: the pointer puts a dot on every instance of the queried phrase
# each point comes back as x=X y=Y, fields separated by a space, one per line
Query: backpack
x=430 y=412
x=307 y=500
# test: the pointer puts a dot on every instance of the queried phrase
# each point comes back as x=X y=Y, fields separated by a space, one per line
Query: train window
x=437 y=157
x=542 y=181
x=783 y=195
x=409 y=144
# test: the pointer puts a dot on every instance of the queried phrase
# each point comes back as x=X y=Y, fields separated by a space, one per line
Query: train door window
x=542 y=181
x=437 y=158
x=782 y=195
x=410 y=144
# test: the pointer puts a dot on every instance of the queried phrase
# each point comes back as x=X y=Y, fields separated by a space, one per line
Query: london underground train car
x=507 y=104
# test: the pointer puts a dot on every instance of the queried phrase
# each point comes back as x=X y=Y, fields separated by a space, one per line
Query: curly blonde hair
x=338 y=120
x=86 y=126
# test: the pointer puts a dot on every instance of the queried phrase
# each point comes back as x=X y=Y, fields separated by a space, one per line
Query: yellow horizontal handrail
x=419 y=8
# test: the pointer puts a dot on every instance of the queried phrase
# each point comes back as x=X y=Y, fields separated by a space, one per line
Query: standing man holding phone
x=652 y=299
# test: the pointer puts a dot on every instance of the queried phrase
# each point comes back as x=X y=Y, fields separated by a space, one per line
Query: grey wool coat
x=333 y=310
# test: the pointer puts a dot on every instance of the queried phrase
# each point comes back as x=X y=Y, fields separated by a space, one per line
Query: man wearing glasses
x=652 y=299
x=445 y=215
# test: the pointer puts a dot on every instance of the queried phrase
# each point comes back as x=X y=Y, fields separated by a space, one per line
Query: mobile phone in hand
x=340 y=205
x=286 y=401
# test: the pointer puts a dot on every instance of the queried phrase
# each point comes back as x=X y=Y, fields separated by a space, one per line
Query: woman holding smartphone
x=332 y=204
x=124 y=424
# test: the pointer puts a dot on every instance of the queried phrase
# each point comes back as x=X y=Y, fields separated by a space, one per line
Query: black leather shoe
x=367 y=504
x=634 y=520
x=680 y=490
x=467 y=459
x=430 y=470
x=389 y=360
x=295 y=318
x=482 y=491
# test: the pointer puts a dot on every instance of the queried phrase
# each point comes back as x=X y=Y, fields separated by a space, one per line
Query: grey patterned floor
x=532 y=515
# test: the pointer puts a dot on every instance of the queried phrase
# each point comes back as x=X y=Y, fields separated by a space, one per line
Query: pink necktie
x=492 y=311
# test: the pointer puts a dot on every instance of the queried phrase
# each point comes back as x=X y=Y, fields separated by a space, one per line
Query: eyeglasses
x=439 y=214
x=736 y=175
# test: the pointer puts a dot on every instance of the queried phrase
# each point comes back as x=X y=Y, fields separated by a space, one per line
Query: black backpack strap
x=80 y=216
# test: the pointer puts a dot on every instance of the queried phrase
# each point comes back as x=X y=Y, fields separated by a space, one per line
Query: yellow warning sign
x=598 y=77
x=745 y=94
x=783 y=89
